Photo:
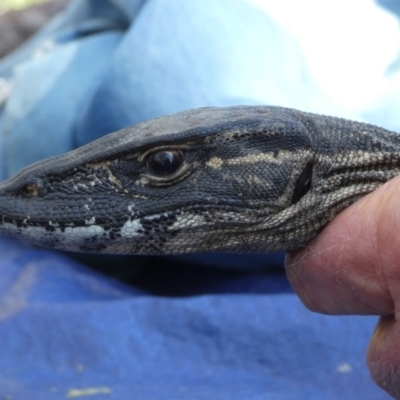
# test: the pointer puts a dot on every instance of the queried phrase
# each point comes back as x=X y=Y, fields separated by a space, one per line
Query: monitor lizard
x=237 y=179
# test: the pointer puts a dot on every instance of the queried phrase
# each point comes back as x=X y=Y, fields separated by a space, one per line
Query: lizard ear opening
x=303 y=183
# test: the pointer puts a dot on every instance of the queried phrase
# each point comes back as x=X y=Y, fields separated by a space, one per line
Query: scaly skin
x=241 y=179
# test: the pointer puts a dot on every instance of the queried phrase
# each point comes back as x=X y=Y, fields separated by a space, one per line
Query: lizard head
x=230 y=179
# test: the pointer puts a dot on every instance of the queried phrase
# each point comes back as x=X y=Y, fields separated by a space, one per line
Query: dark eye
x=165 y=162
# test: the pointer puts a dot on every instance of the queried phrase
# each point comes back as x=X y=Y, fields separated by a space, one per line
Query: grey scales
x=238 y=179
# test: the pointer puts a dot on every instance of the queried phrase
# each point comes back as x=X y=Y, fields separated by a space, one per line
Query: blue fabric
x=65 y=328
x=196 y=326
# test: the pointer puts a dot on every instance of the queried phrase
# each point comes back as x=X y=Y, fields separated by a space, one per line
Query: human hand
x=353 y=267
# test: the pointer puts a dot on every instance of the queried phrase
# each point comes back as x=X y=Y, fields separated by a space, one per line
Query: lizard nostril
x=29 y=190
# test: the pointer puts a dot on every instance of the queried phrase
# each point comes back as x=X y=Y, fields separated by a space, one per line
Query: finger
x=353 y=267
x=383 y=356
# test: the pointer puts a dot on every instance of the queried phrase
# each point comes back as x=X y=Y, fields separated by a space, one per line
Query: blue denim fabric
x=93 y=73
x=106 y=64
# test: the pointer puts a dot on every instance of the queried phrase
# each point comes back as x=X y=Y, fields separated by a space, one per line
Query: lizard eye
x=165 y=162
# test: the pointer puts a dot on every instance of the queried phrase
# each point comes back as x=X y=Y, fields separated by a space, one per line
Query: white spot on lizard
x=130 y=228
